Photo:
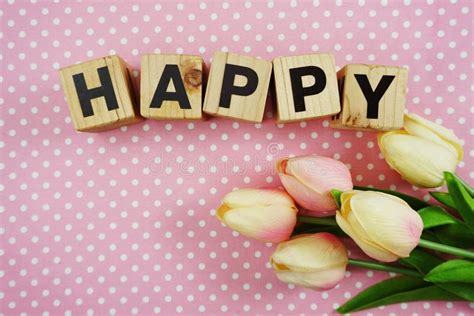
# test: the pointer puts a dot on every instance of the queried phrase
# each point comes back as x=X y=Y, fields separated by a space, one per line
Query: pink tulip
x=316 y=261
x=263 y=214
x=310 y=179
x=384 y=226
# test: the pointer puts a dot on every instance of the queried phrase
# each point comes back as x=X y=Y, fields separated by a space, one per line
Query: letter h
x=85 y=95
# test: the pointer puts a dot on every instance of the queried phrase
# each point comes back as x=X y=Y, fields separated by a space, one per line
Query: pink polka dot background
x=122 y=222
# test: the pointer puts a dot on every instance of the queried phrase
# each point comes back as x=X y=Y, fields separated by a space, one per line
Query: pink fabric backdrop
x=122 y=222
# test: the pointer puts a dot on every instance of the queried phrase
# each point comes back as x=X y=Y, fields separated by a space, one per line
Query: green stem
x=326 y=221
x=320 y=229
x=383 y=267
x=446 y=249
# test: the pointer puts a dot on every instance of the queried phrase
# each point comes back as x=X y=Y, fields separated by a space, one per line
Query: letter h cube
x=100 y=94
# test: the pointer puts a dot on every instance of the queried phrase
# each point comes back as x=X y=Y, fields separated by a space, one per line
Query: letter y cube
x=372 y=97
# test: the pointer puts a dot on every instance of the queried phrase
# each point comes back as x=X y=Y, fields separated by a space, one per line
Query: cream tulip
x=315 y=261
x=382 y=225
x=422 y=151
x=310 y=179
x=263 y=214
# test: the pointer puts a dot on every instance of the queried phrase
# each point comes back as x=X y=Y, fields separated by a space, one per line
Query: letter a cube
x=171 y=86
x=237 y=87
x=372 y=97
x=100 y=94
x=305 y=87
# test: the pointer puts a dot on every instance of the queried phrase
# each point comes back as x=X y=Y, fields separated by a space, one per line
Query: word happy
x=101 y=96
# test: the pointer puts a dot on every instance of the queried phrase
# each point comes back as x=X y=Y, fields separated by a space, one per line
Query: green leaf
x=457 y=235
x=396 y=290
x=469 y=189
x=456 y=270
x=434 y=216
x=463 y=290
x=336 y=195
x=429 y=235
x=461 y=198
x=422 y=261
x=380 y=290
x=414 y=202
x=443 y=197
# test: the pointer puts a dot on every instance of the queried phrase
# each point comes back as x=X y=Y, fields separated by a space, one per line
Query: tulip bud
x=422 y=151
x=310 y=179
x=382 y=225
x=316 y=261
x=263 y=214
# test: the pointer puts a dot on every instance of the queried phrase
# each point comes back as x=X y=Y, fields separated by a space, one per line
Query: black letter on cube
x=373 y=97
x=228 y=87
x=170 y=73
x=85 y=95
x=299 y=92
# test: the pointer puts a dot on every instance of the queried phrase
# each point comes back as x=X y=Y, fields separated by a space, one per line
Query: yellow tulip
x=315 y=261
x=263 y=214
x=384 y=226
x=422 y=151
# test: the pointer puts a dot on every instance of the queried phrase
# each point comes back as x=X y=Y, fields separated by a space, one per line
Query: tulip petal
x=367 y=246
x=318 y=280
x=315 y=261
x=418 y=126
x=319 y=173
x=272 y=223
x=382 y=225
x=389 y=221
x=419 y=161
x=310 y=179
x=346 y=201
x=310 y=253
x=251 y=197
x=319 y=205
x=221 y=211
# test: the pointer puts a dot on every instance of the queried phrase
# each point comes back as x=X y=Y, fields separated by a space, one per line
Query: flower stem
x=446 y=249
x=326 y=221
x=383 y=267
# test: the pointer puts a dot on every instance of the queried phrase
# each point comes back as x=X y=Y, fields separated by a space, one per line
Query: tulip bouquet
x=428 y=246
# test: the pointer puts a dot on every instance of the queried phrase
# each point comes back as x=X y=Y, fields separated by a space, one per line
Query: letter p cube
x=237 y=87
x=305 y=87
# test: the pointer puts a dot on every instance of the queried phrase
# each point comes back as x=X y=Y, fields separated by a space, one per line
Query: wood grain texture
x=325 y=103
x=354 y=104
x=246 y=108
x=191 y=69
x=103 y=119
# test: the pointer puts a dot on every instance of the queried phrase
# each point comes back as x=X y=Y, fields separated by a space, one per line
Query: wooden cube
x=100 y=94
x=305 y=87
x=372 y=97
x=237 y=87
x=171 y=86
